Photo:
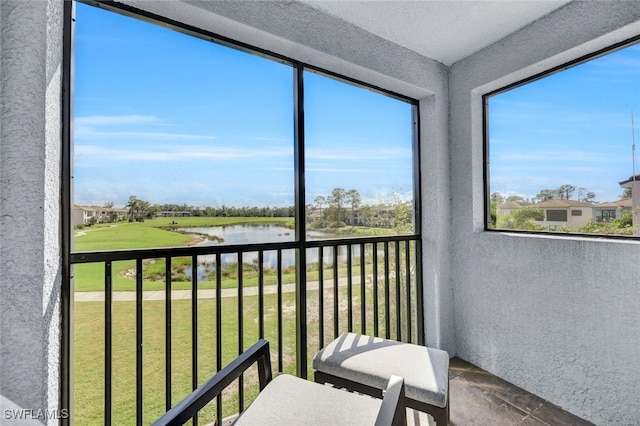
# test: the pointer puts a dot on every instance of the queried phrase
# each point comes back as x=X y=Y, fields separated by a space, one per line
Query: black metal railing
x=179 y=323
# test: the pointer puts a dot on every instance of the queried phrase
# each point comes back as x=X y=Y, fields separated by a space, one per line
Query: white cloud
x=89 y=133
x=564 y=156
x=108 y=120
x=87 y=153
x=358 y=154
x=118 y=127
x=335 y=170
x=267 y=139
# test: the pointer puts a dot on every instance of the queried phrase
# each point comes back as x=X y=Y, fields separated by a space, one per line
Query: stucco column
x=30 y=65
x=436 y=218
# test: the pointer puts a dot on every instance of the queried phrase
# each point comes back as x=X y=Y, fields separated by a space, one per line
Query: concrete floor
x=480 y=398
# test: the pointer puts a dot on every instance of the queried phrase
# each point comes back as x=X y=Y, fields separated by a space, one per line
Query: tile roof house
x=511 y=206
x=82 y=215
x=634 y=184
x=558 y=214
x=611 y=209
x=571 y=214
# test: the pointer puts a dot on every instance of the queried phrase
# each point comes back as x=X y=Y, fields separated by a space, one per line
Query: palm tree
x=336 y=199
x=143 y=209
x=353 y=197
x=133 y=205
x=320 y=201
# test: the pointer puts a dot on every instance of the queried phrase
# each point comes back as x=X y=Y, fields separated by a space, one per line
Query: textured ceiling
x=446 y=31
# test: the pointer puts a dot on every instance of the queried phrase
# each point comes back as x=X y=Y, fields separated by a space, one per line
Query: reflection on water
x=252 y=234
x=243 y=234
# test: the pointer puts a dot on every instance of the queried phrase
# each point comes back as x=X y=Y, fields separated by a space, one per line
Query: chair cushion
x=372 y=361
x=290 y=400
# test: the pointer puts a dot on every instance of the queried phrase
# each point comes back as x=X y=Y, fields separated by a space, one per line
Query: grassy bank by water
x=158 y=233
x=148 y=234
x=155 y=232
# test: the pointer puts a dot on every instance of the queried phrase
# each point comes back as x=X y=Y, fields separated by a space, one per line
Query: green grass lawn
x=90 y=276
x=89 y=347
x=153 y=233
x=89 y=321
x=89 y=354
x=148 y=234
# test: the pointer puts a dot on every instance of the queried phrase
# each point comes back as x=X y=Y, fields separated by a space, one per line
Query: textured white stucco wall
x=302 y=33
x=557 y=316
x=30 y=59
x=30 y=96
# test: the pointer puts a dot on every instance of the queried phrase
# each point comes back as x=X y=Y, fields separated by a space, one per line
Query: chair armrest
x=195 y=401
x=393 y=410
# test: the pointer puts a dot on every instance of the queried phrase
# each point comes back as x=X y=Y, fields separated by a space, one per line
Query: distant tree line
x=244 y=211
x=338 y=209
x=566 y=192
x=563 y=192
x=335 y=215
x=331 y=211
x=139 y=210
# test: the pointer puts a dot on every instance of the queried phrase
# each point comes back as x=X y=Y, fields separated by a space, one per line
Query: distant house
x=511 y=206
x=558 y=214
x=381 y=216
x=634 y=184
x=170 y=213
x=565 y=213
x=611 y=210
x=83 y=215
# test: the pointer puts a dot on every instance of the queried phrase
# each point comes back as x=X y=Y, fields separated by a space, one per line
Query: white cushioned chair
x=364 y=364
x=289 y=400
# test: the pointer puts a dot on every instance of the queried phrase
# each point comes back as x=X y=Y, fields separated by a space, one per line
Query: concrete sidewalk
x=119 y=296
x=130 y=296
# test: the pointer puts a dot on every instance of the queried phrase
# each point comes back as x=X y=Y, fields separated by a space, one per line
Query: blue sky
x=573 y=127
x=174 y=119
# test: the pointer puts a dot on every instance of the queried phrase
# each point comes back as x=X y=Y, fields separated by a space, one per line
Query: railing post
x=139 y=342
x=349 y=288
x=376 y=325
x=419 y=294
x=194 y=327
x=167 y=332
x=398 y=292
x=320 y=297
x=279 y=291
x=240 y=329
x=108 y=341
x=218 y=331
x=363 y=290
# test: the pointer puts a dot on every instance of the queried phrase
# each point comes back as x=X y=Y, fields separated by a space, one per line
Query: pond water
x=252 y=234
x=243 y=234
